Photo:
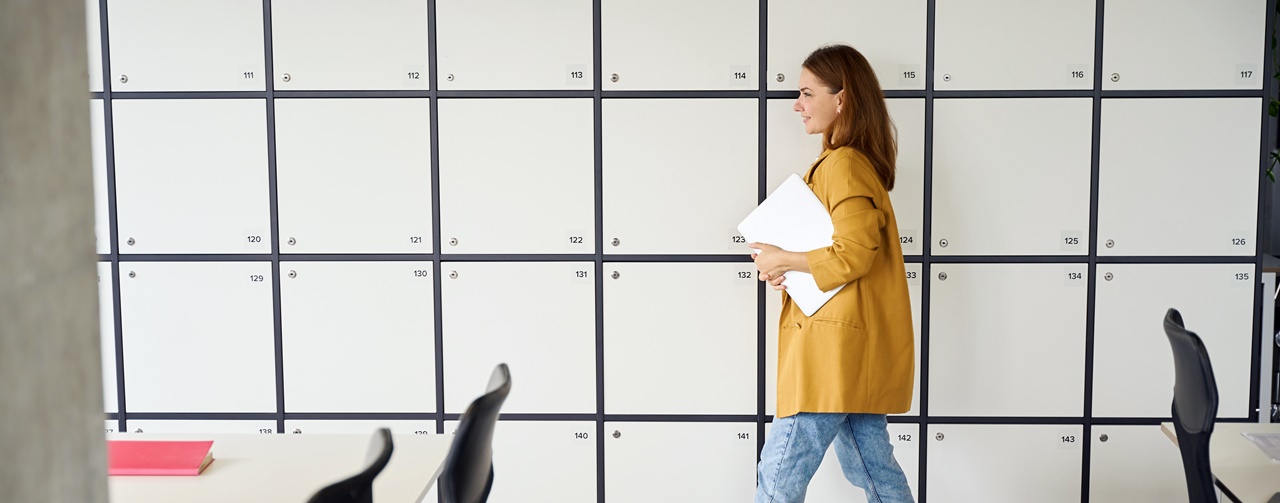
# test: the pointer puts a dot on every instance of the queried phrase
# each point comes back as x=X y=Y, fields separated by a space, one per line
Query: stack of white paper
x=792 y=218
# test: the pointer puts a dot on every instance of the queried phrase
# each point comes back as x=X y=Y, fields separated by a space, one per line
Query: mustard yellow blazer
x=857 y=353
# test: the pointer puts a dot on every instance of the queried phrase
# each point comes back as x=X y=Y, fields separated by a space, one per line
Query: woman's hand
x=773 y=263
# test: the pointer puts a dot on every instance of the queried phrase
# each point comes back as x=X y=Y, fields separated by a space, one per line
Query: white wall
x=332 y=215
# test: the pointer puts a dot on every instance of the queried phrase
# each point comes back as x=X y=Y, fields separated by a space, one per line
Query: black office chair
x=1195 y=406
x=467 y=473
x=359 y=488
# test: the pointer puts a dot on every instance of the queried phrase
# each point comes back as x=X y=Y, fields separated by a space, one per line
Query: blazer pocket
x=836 y=322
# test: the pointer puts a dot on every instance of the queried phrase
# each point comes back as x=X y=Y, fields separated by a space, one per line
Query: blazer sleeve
x=848 y=194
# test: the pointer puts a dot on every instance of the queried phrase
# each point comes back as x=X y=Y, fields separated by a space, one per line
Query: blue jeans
x=796 y=444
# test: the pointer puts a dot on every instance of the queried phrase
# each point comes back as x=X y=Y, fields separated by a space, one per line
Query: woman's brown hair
x=863 y=122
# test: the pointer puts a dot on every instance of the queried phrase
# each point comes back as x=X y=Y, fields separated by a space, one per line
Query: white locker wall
x=329 y=212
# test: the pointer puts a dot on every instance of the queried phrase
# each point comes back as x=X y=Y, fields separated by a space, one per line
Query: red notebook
x=155 y=457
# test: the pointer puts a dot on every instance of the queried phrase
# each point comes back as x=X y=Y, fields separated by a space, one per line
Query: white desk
x=1237 y=463
x=285 y=468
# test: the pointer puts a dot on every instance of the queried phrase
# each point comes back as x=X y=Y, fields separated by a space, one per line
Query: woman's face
x=817 y=105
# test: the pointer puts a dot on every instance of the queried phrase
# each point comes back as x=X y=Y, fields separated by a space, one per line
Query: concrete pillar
x=51 y=420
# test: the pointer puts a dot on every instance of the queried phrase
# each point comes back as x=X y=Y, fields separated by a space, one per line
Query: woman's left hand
x=772 y=262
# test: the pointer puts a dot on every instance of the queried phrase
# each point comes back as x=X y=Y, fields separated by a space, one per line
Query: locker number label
x=1071 y=241
x=414 y=75
x=581 y=435
x=913 y=277
x=1074 y=277
x=421 y=273
x=1247 y=75
x=737 y=239
x=909 y=75
x=1242 y=279
x=266 y=431
x=581 y=277
x=1239 y=242
x=904 y=438
x=577 y=75
x=576 y=240
x=1068 y=439
x=740 y=75
x=909 y=239
x=1078 y=75
x=746 y=275
x=416 y=240
x=257 y=278
x=744 y=436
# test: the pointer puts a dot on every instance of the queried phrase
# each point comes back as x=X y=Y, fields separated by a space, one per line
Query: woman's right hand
x=776 y=282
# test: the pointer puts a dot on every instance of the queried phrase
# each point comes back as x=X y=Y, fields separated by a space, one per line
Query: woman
x=842 y=370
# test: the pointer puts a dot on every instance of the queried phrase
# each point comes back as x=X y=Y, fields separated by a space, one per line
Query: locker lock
x=942 y=243
x=1111 y=243
x=297 y=431
x=615 y=275
x=616 y=242
x=286 y=77
x=139 y=430
x=1115 y=77
x=613 y=78
x=453 y=274
x=617 y=434
x=449 y=77
x=453 y=241
x=133 y=274
x=293 y=274
x=130 y=241
x=946 y=77
x=124 y=78
x=942 y=276
x=939 y=436
x=1108 y=276
x=1103 y=438
x=292 y=241
x=781 y=77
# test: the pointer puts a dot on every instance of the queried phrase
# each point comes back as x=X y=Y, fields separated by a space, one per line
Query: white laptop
x=792 y=218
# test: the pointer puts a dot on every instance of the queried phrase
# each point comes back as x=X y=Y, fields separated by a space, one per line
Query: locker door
x=829 y=485
x=382 y=47
x=908 y=191
x=538 y=318
x=688 y=196
x=1132 y=362
x=1183 y=44
x=790 y=150
x=358 y=426
x=542 y=461
x=1134 y=464
x=354 y=175
x=539 y=200
x=93 y=20
x=1004 y=463
x=889 y=33
x=191 y=176
x=1219 y=172
x=648 y=47
x=186 y=45
x=198 y=336
x=541 y=45
x=1007 y=339
x=679 y=462
x=1012 y=44
x=373 y=320
x=107 y=336
x=773 y=310
x=1008 y=182
x=680 y=338
x=98 y=145
x=202 y=426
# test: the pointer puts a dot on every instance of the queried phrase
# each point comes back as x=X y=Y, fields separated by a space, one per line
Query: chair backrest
x=1195 y=405
x=467 y=474
x=359 y=488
